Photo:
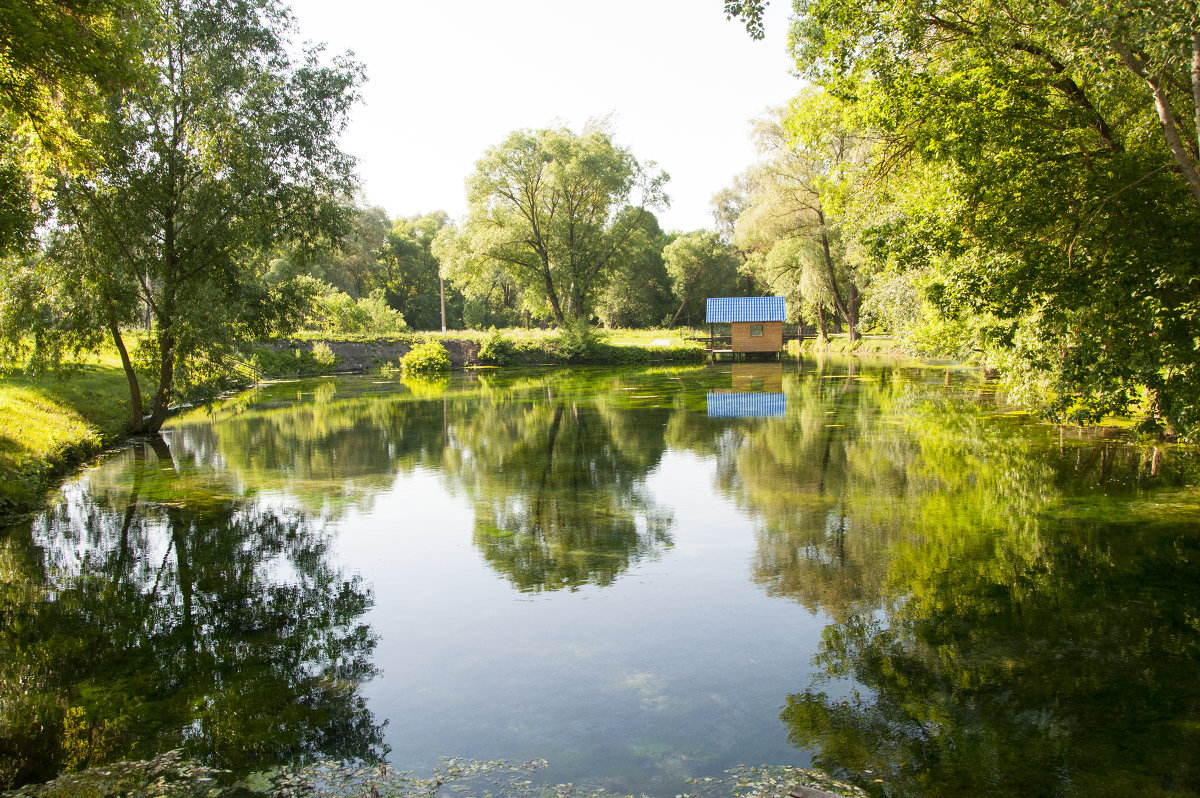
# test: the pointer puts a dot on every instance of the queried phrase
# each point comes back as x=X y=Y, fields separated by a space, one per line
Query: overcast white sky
x=447 y=79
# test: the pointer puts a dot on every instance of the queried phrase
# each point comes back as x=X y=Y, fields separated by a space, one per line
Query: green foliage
x=226 y=147
x=409 y=271
x=1042 y=197
x=700 y=265
x=800 y=209
x=57 y=60
x=638 y=290
x=578 y=341
x=323 y=355
x=337 y=313
x=749 y=12
x=496 y=350
x=424 y=359
x=549 y=213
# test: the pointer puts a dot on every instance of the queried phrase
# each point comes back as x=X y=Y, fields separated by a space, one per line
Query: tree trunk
x=1195 y=92
x=1166 y=115
x=552 y=295
x=675 y=318
x=851 y=323
x=853 y=307
x=135 y=390
x=822 y=324
x=166 y=378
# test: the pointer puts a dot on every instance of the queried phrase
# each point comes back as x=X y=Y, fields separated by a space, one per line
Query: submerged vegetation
x=172 y=777
x=863 y=497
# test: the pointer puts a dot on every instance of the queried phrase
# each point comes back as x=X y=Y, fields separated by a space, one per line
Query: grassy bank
x=50 y=422
x=867 y=346
x=310 y=354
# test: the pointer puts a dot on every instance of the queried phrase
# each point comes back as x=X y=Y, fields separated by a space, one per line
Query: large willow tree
x=555 y=212
x=225 y=147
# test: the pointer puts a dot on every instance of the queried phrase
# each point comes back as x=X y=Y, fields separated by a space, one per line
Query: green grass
x=620 y=335
x=52 y=421
x=868 y=345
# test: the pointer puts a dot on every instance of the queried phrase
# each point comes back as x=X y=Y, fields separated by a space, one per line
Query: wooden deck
x=718 y=345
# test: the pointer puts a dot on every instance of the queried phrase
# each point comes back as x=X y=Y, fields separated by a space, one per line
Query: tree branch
x=1166 y=115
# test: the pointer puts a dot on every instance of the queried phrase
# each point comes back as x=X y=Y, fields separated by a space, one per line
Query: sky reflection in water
x=886 y=573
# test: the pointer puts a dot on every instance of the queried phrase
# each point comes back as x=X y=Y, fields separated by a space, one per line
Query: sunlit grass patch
x=50 y=420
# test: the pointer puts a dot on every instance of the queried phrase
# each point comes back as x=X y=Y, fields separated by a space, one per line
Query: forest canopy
x=1012 y=185
x=1030 y=197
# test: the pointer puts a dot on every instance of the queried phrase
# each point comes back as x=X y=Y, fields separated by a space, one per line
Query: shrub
x=378 y=317
x=323 y=355
x=496 y=350
x=427 y=358
x=336 y=312
x=578 y=341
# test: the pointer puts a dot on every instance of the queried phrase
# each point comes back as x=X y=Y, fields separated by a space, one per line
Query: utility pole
x=442 y=294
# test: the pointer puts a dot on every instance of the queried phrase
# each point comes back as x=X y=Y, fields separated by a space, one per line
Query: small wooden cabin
x=756 y=322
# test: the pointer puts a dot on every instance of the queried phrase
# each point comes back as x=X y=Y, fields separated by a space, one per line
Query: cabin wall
x=770 y=341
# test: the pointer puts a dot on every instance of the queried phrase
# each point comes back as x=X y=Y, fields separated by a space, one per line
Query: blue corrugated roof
x=726 y=404
x=745 y=308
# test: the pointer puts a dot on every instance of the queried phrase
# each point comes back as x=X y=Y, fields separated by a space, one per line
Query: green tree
x=808 y=161
x=1061 y=242
x=227 y=147
x=56 y=58
x=638 y=291
x=409 y=272
x=701 y=265
x=491 y=293
x=546 y=207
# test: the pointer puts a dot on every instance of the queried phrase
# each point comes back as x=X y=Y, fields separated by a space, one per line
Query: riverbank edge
x=51 y=425
x=81 y=426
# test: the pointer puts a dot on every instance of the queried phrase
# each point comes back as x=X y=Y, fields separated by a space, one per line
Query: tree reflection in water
x=153 y=609
x=1017 y=612
x=558 y=489
x=1012 y=623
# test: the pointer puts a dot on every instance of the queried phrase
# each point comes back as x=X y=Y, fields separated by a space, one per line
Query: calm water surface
x=641 y=576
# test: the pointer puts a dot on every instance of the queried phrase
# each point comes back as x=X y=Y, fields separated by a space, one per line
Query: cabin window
x=756 y=330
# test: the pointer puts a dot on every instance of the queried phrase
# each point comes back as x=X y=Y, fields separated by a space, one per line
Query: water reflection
x=155 y=608
x=557 y=483
x=1068 y=672
x=1005 y=607
x=1017 y=617
x=757 y=392
x=558 y=490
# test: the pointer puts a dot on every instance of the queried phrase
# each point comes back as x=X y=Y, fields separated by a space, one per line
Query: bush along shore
x=310 y=356
x=50 y=423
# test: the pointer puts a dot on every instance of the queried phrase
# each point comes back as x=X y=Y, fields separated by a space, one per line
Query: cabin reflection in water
x=757 y=392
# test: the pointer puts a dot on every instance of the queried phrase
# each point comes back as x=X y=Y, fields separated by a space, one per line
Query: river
x=641 y=576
